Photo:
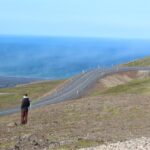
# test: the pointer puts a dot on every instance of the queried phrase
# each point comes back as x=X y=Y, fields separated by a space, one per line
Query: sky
x=76 y=18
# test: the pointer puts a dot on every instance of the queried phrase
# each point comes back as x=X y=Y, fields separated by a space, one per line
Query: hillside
x=132 y=82
x=116 y=108
x=77 y=124
x=6 y=82
x=10 y=97
x=141 y=62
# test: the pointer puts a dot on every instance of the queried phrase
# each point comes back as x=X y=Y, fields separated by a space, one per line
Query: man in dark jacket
x=24 y=109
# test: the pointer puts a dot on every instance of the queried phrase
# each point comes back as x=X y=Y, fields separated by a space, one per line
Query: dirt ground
x=114 y=80
x=79 y=123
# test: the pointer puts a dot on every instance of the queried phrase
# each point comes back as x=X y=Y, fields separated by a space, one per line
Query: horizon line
x=67 y=36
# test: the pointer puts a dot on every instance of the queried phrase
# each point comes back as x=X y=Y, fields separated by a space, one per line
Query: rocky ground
x=78 y=124
x=134 y=144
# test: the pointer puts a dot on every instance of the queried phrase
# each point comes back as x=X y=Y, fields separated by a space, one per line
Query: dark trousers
x=24 y=116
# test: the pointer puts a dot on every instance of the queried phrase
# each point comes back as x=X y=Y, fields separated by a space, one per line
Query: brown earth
x=115 y=80
x=79 y=123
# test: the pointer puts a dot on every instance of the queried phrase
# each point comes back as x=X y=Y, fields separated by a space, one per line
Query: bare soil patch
x=114 y=80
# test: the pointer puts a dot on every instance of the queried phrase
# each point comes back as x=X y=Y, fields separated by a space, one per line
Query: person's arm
x=30 y=103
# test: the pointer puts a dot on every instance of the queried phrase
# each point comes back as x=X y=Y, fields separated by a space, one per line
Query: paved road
x=76 y=87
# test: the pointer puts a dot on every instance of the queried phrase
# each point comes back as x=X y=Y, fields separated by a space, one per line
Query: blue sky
x=87 y=18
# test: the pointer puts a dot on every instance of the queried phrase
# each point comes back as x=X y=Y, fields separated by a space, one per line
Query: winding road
x=76 y=87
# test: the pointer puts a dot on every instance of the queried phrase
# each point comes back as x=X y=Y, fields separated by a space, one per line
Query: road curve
x=76 y=87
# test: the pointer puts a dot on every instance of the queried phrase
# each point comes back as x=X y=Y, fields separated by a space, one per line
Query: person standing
x=24 y=109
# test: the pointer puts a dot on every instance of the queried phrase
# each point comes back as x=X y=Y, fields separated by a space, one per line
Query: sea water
x=62 y=57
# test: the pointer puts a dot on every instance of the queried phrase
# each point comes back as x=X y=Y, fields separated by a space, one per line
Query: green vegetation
x=101 y=120
x=81 y=123
x=136 y=86
x=6 y=145
x=81 y=143
x=141 y=62
x=10 y=97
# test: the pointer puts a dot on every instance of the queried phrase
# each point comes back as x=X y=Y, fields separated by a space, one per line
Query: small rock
x=14 y=138
x=56 y=122
x=12 y=124
x=17 y=147
x=54 y=143
x=35 y=143
x=26 y=136
x=79 y=139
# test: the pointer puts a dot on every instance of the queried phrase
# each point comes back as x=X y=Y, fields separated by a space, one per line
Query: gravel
x=134 y=144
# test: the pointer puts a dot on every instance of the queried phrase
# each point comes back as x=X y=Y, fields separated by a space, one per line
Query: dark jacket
x=25 y=103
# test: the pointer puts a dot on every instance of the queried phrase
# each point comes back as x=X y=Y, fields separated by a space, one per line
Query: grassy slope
x=86 y=122
x=35 y=91
x=141 y=62
x=136 y=86
x=80 y=123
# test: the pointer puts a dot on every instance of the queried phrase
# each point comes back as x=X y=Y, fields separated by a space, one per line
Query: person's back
x=24 y=109
x=25 y=103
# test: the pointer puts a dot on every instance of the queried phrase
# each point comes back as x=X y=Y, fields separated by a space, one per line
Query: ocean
x=63 y=57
